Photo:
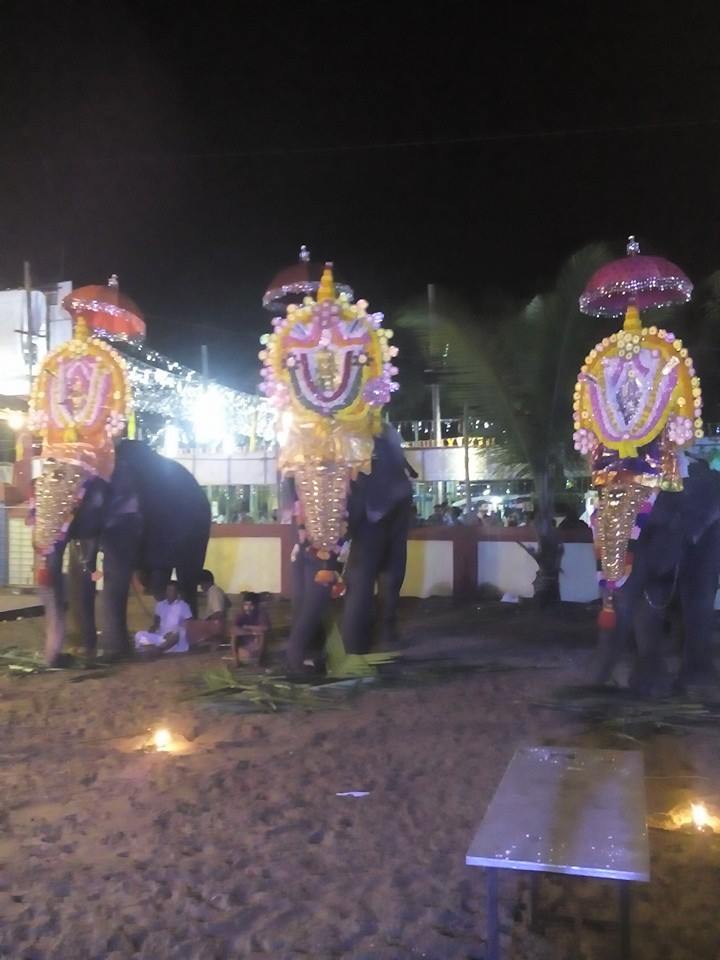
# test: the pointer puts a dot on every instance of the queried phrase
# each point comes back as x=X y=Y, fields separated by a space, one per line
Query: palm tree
x=697 y=322
x=517 y=365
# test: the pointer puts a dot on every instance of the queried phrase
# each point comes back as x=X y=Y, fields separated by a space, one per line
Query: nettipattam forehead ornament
x=637 y=405
x=328 y=369
x=80 y=402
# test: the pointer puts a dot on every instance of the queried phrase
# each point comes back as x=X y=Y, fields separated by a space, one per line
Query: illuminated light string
x=204 y=413
x=591 y=303
x=301 y=288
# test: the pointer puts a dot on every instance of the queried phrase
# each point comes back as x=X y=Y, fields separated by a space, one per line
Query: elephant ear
x=663 y=537
x=701 y=504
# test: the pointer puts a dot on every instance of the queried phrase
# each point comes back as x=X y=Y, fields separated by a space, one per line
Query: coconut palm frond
x=19 y=662
x=624 y=715
x=252 y=692
x=347 y=666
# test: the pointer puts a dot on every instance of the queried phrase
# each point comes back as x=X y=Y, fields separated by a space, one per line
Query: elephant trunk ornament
x=637 y=405
x=328 y=369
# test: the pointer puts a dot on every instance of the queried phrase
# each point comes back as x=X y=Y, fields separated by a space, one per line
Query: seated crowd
x=174 y=630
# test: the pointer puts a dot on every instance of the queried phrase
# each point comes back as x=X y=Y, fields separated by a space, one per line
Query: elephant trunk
x=52 y=594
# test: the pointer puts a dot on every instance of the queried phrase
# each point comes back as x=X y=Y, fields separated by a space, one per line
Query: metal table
x=565 y=810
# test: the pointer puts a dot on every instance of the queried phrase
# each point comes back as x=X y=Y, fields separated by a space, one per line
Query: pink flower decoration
x=585 y=441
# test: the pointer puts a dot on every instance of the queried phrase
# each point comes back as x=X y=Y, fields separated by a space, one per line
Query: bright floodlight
x=16 y=420
x=209 y=419
x=171 y=441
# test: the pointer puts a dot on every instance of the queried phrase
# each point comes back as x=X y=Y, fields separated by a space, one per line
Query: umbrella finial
x=633 y=247
x=304 y=254
x=326 y=290
x=113 y=281
x=632 y=318
x=81 y=331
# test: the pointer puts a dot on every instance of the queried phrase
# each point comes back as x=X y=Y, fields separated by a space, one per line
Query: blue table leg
x=493 y=933
x=534 y=919
x=625 y=943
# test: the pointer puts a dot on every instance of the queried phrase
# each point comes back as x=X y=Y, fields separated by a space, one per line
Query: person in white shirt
x=167 y=633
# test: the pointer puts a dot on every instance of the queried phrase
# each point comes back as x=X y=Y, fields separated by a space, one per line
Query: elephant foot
x=62 y=661
x=704 y=687
x=112 y=657
x=307 y=673
x=600 y=677
x=654 y=686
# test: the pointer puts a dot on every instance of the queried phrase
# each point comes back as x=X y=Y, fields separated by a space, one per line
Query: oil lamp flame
x=162 y=739
x=700 y=815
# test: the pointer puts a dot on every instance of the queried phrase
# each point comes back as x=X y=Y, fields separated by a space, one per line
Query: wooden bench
x=565 y=810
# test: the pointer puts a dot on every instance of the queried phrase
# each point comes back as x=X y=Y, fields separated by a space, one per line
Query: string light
x=205 y=413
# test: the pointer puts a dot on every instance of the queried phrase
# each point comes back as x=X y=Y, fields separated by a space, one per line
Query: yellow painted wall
x=245 y=564
x=429 y=569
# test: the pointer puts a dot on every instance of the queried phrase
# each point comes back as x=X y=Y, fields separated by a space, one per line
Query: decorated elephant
x=637 y=408
x=328 y=368
x=144 y=512
x=150 y=517
x=676 y=560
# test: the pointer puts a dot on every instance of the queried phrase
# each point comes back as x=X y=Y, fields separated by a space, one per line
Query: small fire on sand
x=692 y=816
x=162 y=739
x=696 y=815
x=700 y=815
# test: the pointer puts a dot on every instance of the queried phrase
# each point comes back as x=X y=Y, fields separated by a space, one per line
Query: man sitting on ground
x=214 y=625
x=250 y=631
x=167 y=633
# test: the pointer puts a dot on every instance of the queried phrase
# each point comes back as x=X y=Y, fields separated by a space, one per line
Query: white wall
x=511 y=569
x=240 y=468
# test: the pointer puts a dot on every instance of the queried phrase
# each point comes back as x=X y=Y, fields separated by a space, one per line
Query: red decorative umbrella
x=637 y=279
x=300 y=280
x=107 y=311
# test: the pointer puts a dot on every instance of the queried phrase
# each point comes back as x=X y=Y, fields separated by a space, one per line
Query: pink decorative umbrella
x=634 y=279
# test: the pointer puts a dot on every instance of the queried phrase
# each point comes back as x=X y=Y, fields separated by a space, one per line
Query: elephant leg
x=612 y=644
x=189 y=569
x=53 y=599
x=366 y=556
x=392 y=572
x=158 y=579
x=649 y=675
x=307 y=623
x=83 y=564
x=120 y=544
x=698 y=587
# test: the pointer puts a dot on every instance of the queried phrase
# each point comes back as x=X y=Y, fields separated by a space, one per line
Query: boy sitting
x=250 y=631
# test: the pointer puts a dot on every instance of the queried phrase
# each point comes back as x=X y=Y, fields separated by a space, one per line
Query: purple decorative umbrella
x=634 y=279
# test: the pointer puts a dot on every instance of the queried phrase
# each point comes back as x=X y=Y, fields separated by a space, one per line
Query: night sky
x=192 y=150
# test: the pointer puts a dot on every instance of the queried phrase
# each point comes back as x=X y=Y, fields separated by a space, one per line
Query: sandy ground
x=241 y=848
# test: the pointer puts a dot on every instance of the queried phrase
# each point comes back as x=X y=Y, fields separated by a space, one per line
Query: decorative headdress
x=637 y=404
x=328 y=369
